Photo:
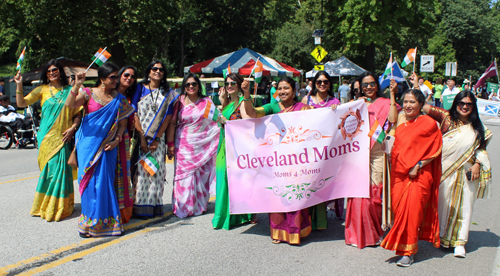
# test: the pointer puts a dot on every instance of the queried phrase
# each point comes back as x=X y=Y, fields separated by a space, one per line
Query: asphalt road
x=172 y=246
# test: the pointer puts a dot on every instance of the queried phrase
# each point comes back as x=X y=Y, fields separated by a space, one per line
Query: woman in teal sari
x=54 y=197
x=234 y=107
x=101 y=131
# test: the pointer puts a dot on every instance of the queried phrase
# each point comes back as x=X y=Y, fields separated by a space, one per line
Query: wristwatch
x=419 y=164
x=157 y=139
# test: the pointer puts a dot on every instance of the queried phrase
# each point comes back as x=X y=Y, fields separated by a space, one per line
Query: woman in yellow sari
x=54 y=197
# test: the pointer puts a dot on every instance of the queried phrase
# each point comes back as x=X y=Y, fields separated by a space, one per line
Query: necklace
x=288 y=108
x=154 y=106
x=52 y=95
x=325 y=102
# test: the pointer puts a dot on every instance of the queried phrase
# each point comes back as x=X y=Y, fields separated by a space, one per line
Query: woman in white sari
x=466 y=168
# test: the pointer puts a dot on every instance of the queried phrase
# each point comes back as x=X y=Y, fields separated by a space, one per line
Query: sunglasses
x=113 y=77
x=365 y=84
x=188 y=84
x=126 y=75
x=462 y=104
x=232 y=83
x=53 y=70
x=161 y=69
x=321 y=82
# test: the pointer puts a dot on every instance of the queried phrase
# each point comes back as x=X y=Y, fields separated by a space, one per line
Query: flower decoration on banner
x=298 y=191
x=351 y=123
x=293 y=135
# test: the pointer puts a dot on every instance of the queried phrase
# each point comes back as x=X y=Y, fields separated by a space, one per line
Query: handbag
x=72 y=160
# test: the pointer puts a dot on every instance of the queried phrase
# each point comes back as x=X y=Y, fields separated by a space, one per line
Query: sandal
x=85 y=236
x=276 y=241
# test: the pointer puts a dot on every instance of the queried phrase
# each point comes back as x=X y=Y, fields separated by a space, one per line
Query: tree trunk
x=117 y=50
x=370 y=57
x=180 y=72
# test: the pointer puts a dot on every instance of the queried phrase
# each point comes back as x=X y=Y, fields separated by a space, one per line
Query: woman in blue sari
x=101 y=131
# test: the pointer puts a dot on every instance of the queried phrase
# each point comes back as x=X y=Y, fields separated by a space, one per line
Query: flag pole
x=392 y=77
x=100 y=54
x=415 y=61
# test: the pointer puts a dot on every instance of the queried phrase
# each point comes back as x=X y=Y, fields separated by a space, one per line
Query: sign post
x=451 y=69
x=427 y=63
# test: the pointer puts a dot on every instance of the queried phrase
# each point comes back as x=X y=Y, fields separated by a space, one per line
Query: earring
x=103 y=85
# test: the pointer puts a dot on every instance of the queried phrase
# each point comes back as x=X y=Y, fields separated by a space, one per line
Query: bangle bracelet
x=74 y=94
x=19 y=92
x=119 y=137
x=249 y=99
x=170 y=144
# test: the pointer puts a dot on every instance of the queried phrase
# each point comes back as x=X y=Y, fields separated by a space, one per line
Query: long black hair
x=474 y=118
x=196 y=79
x=62 y=75
x=314 y=91
x=163 y=82
x=104 y=71
x=373 y=75
x=352 y=94
x=130 y=91
x=291 y=82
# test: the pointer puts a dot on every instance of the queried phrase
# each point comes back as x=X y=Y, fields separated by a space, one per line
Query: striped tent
x=243 y=61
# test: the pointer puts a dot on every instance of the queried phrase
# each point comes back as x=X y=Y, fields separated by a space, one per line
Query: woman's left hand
x=475 y=171
x=111 y=145
x=245 y=86
x=414 y=171
x=153 y=146
x=68 y=135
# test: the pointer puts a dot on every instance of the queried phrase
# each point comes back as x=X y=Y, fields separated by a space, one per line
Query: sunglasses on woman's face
x=188 y=84
x=462 y=104
x=53 y=70
x=231 y=83
x=321 y=82
x=365 y=84
x=126 y=75
x=113 y=77
x=161 y=69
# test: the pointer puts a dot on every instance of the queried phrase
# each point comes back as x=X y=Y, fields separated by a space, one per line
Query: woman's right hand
x=394 y=87
x=18 y=78
x=80 y=78
x=222 y=94
x=170 y=152
x=144 y=145
x=414 y=80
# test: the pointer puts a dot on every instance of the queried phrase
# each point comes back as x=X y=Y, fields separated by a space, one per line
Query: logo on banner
x=298 y=191
x=293 y=135
x=350 y=125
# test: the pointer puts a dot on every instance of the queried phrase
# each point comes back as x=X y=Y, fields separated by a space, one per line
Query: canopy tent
x=339 y=67
x=243 y=61
x=71 y=67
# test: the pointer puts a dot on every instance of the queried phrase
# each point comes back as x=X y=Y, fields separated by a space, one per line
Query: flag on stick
x=397 y=75
x=376 y=132
x=490 y=72
x=149 y=163
x=101 y=56
x=227 y=71
x=257 y=71
x=211 y=112
x=409 y=58
x=20 y=60
x=388 y=68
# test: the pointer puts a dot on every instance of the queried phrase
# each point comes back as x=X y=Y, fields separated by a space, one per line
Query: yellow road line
x=87 y=252
x=4 y=270
x=19 y=179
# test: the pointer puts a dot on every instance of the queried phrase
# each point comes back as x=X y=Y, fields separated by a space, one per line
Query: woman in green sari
x=54 y=197
x=234 y=107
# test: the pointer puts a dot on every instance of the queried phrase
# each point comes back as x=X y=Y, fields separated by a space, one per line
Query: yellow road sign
x=319 y=67
x=319 y=53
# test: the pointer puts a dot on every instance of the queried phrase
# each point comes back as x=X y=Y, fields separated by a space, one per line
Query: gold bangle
x=19 y=92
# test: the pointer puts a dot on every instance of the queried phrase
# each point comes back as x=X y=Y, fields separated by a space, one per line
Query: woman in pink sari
x=289 y=227
x=363 y=223
x=193 y=137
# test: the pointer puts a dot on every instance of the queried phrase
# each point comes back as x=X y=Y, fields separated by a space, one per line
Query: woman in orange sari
x=415 y=178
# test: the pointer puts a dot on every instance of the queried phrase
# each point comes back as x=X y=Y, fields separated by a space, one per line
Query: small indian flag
x=257 y=71
x=211 y=112
x=20 y=60
x=102 y=56
x=150 y=164
x=388 y=68
x=227 y=71
x=409 y=58
x=376 y=132
x=276 y=96
x=428 y=84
